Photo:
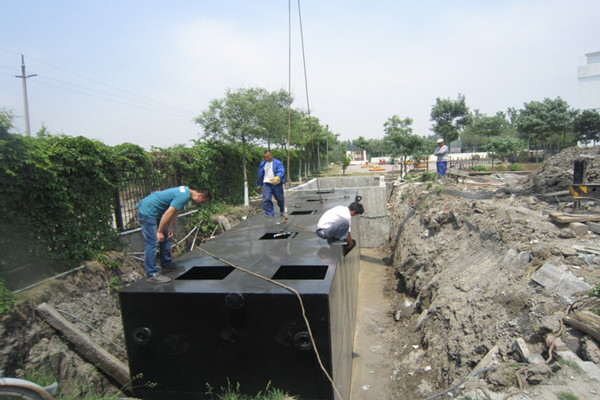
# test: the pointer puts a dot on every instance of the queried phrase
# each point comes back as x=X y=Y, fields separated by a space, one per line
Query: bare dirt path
x=371 y=378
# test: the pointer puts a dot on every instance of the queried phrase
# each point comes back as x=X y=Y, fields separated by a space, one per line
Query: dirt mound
x=556 y=173
x=87 y=298
x=461 y=259
x=464 y=256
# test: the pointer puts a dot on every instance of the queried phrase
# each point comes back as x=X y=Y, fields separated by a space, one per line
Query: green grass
x=234 y=393
x=567 y=396
x=231 y=392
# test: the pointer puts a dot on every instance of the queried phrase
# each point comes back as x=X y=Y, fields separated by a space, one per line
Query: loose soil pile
x=461 y=258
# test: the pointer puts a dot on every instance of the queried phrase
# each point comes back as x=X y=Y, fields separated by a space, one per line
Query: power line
x=144 y=107
x=147 y=103
x=158 y=106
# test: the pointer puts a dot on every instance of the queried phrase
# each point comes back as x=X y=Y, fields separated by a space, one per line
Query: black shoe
x=171 y=267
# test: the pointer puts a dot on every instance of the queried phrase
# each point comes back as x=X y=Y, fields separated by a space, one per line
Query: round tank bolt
x=234 y=301
x=142 y=335
x=302 y=341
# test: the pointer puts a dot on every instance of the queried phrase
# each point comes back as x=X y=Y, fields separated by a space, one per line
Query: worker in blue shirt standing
x=157 y=213
x=441 y=152
x=270 y=181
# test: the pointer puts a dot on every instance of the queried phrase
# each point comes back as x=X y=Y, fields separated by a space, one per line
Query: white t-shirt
x=334 y=214
x=269 y=175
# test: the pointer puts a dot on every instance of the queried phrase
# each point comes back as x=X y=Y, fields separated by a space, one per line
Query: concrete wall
x=588 y=77
x=375 y=222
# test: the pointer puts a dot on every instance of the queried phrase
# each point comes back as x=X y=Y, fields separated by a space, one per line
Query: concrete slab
x=561 y=282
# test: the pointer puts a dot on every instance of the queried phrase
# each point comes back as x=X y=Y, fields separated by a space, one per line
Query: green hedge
x=57 y=193
x=55 y=197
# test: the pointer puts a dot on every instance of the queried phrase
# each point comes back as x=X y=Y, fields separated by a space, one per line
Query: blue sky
x=140 y=71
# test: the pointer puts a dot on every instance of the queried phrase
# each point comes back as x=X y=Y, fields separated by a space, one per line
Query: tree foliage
x=399 y=139
x=237 y=118
x=56 y=197
x=450 y=117
x=587 y=126
x=488 y=126
x=361 y=143
x=6 y=118
x=540 y=120
x=505 y=148
x=483 y=128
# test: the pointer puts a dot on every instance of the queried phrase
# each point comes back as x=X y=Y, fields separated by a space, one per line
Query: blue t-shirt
x=155 y=204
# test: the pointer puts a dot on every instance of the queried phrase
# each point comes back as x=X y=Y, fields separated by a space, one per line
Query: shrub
x=515 y=167
x=595 y=292
x=428 y=176
x=6 y=298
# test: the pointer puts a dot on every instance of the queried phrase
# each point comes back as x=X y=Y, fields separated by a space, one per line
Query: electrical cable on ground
x=92 y=328
x=550 y=354
x=460 y=383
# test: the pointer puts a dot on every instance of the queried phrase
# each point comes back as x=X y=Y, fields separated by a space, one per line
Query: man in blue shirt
x=157 y=213
x=270 y=181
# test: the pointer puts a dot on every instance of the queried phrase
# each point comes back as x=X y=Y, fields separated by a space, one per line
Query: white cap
x=440 y=140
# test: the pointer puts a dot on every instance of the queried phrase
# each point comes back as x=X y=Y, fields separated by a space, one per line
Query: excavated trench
x=450 y=285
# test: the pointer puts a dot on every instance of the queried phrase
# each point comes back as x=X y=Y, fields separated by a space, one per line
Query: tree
x=505 y=148
x=272 y=117
x=538 y=121
x=484 y=127
x=587 y=126
x=345 y=159
x=450 y=117
x=400 y=140
x=378 y=147
x=362 y=144
x=235 y=118
x=311 y=137
x=6 y=118
x=488 y=126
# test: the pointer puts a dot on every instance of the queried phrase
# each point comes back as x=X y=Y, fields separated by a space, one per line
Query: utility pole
x=24 y=77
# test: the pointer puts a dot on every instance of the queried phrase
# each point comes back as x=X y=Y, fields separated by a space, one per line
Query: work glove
x=276 y=180
x=259 y=188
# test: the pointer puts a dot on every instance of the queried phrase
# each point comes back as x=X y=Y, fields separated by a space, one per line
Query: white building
x=588 y=77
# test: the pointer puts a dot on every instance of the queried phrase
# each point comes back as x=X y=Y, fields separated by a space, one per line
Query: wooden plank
x=586 y=249
x=585 y=321
x=95 y=354
x=452 y=171
x=568 y=218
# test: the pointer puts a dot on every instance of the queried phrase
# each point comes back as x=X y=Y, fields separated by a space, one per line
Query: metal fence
x=466 y=163
x=131 y=191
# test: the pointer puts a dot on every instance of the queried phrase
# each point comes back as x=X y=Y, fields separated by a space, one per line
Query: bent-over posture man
x=157 y=213
x=335 y=224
